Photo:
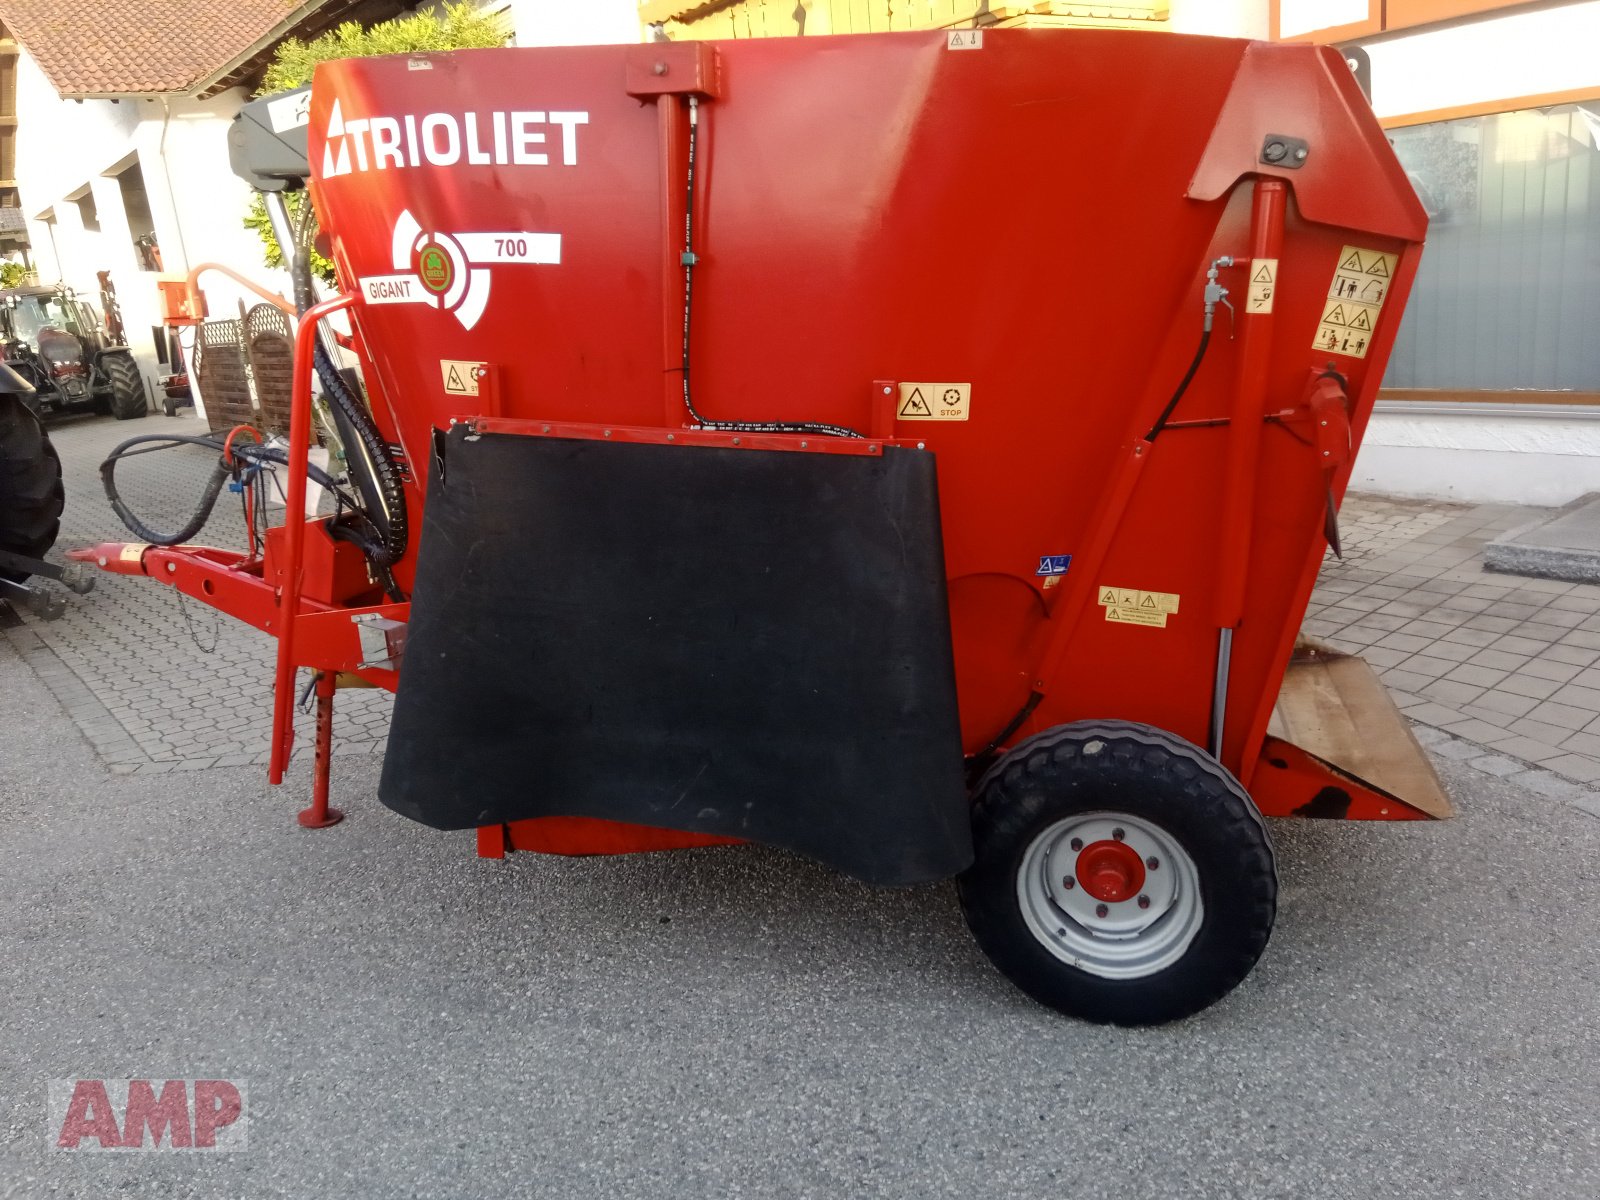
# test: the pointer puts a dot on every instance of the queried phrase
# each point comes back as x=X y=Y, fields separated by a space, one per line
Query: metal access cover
x=750 y=643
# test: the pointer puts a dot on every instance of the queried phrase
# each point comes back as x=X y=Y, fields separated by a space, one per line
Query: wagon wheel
x=1122 y=875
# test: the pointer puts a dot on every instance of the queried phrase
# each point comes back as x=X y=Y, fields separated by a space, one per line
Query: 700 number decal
x=512 y=248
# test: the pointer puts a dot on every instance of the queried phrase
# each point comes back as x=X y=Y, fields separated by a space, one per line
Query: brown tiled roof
x=86 y=47
x=95 y=48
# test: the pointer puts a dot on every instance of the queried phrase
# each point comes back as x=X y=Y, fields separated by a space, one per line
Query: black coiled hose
x=373 y=469
x=244 y=454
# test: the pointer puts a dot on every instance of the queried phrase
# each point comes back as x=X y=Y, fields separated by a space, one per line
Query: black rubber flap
x=741 y=642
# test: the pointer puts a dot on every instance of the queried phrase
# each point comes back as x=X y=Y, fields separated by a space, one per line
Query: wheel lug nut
x=1118 y=834
x=1152 y=862
x=1076 y=843
x=1069 y=883
x=1144 y=901
x=1101 y=910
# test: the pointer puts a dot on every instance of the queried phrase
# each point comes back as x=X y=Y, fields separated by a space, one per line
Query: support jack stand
x=319 y=815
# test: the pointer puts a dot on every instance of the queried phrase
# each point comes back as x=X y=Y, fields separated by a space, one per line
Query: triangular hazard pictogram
x=1148 y=602
x=1264 y=275
x=1353 y=263
x=453 y=382
x=915 y=406
x=1380 y=266
x=1361 y=320
x=1337 y=317
x=1109 y=596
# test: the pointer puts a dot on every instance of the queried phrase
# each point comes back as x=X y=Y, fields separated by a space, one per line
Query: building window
x=141 y=225
x=87 y=213
x=1503 y=300
x=1325 y=20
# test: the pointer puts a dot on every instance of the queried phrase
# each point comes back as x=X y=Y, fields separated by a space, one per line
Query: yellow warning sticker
x=460 y=378
x=1133 y=606
x=1263 y=283
x=1355 y=297
x=934 y=401
x=1134 y=616
x=1346 y=328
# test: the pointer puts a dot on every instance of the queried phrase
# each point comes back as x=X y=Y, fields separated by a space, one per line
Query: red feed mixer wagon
x=915 y=451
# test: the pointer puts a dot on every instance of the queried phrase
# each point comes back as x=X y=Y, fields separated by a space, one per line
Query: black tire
x=31 y=496
x=1094 y=772
x=127 y=386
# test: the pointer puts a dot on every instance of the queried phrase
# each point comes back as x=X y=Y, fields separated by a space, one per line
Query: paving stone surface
x=1506 y=665
x=1505 y=669
x=157 y=682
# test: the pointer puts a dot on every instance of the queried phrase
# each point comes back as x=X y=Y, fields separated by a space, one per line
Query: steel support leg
x=319 y=815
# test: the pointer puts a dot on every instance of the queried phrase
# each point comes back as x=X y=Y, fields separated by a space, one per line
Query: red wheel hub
x=1110 y=871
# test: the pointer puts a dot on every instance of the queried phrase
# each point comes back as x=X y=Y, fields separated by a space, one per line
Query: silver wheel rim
x=1095 y=927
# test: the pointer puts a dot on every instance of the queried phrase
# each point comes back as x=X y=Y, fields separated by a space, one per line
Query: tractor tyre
x=127 y=387
x=1122 y=875
x=31 y=496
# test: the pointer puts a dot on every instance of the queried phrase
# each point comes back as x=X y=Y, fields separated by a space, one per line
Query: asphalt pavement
x=409 y=1020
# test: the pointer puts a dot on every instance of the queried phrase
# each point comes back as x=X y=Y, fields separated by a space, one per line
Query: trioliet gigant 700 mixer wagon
x=915 y=451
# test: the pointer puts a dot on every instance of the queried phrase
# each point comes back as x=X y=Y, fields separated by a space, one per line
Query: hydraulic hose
x=372 y=467
x=1183 y=385
x=245 y=452
x=689 y=260
x=197 y=519
x=1214 y=295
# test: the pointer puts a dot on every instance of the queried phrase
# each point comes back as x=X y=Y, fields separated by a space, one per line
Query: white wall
x=1511 y=457
x=196 y=202
x=1524 y=54
x=1221 y=18
x=563 y=23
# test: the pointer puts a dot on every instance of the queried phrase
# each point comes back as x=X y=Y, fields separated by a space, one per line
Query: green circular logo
x=435 y=268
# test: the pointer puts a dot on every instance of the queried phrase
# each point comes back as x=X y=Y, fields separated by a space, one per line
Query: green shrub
x=454 y=27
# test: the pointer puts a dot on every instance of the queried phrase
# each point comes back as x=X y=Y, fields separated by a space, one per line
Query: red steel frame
x=1259 y=373
x=295 y=530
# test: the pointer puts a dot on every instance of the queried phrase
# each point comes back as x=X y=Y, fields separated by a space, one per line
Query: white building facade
x=1493 y=392
x=136 y=187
